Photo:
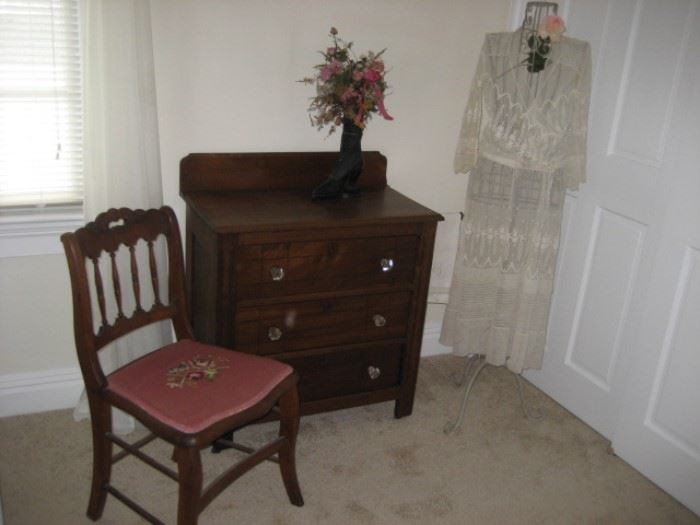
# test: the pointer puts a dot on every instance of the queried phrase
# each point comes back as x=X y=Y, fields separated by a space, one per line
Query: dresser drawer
x=348 y=371
x=291 y=268
x=289 y=327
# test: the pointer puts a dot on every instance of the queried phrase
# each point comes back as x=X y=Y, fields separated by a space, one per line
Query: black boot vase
x=342 y=181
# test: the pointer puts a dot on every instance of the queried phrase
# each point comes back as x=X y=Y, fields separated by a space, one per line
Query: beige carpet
x=361 y=466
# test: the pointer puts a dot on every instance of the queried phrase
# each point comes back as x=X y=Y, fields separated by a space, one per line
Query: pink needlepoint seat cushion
x=191 y=385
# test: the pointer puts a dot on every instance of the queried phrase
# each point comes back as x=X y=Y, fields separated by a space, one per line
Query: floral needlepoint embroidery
x=192 y=371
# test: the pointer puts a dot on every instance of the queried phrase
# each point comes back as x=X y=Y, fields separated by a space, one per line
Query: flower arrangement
x=550 y=30
x=347 y=87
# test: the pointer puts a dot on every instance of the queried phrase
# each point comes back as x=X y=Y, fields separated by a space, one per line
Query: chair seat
x=190 y=385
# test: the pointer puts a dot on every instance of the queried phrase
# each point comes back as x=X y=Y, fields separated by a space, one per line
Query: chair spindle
x=116 y=284
x=135 y=278
x=100 y=292
x=154 y=274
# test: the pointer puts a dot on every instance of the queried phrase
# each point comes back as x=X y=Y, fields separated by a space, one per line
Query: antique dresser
x=335 y=288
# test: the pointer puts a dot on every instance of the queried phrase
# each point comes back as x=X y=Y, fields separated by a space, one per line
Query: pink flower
x=331 y=69
x=377 y=65
x=379 y=96
x=552 y=26
x=357 y=75
x=326 y=73
x=330 y=51
x=371 y=75
x=334 y=31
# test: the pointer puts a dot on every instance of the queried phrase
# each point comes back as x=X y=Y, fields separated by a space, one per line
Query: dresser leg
x=403 y=408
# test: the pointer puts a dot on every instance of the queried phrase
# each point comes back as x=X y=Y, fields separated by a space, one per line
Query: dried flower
x=371 y=75
x=347 y=87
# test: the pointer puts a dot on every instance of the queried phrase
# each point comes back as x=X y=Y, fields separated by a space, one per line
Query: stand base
x=472 y=359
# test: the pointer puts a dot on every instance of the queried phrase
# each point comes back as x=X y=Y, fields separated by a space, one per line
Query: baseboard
x=60 y=388
x=31 y=392
x=431 y=341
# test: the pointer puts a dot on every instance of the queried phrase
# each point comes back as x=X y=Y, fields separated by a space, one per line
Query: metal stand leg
x=521 y=395
x=468 y=363
x=451 y=426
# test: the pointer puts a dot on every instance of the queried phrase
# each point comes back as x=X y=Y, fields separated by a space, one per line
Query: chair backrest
x=104 y=237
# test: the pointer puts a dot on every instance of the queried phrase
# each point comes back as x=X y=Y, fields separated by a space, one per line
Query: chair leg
x=101 y=419
x=289 y=426
x=189 y=469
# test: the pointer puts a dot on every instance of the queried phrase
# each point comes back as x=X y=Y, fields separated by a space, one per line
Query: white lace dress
x=523 y=141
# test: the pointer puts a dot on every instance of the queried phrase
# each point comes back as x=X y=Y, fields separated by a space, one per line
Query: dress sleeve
x=575 y=145
x=468 y=142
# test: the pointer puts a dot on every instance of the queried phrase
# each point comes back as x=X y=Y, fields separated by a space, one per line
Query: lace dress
x=523 y=141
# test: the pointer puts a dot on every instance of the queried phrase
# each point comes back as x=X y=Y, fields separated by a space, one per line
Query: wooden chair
x=186 y=393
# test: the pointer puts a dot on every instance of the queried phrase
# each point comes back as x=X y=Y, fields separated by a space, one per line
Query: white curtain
x=122 y=157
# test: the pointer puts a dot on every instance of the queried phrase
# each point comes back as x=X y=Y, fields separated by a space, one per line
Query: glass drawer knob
x=373 y=372
x=274 y=333
x=387 y=264
x=277 y=273
x=379 y=320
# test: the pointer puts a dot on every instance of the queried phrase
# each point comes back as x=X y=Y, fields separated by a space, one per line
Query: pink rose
x=552 y=26
x=371 y=75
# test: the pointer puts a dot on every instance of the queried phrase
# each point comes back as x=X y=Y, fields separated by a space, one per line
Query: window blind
x=41 y=118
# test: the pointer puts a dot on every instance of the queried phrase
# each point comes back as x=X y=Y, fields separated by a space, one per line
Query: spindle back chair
x=186 y=393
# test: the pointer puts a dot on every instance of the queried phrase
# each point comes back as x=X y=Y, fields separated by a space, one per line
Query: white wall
x=38 y=366
x=36 y=320
x=226 y=74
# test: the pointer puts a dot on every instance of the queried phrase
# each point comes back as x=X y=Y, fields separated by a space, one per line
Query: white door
x=659 y=429
x=624 y=337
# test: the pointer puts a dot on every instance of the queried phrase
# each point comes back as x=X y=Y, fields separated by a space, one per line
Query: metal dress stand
x=472 y=359
x=535 y=12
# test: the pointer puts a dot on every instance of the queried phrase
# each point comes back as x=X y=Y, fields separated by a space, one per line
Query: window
x=41 y=117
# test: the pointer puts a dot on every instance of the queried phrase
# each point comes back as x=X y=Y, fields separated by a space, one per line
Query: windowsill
x=37 y=232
